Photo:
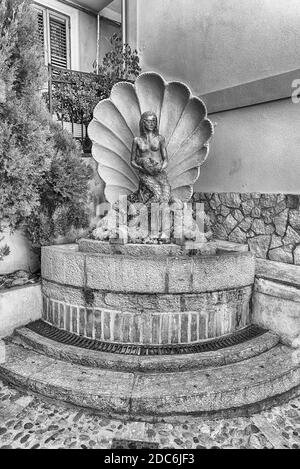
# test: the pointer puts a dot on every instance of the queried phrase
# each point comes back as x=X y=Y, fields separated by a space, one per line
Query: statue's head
x=148 y=123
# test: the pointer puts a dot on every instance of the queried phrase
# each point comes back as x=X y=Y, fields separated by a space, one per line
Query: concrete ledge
x=278 y=272
x=277 y=290
x=156 y=395
x=161 y=363
x=149 y=250
x=18 y=307
x=276 y=299
x=135 y=250
x=274 y=313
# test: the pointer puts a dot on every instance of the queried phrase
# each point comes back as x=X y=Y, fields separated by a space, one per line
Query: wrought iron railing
x=72 y=97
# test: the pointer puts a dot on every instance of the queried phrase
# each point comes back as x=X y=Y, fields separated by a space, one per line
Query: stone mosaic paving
x=29 y=422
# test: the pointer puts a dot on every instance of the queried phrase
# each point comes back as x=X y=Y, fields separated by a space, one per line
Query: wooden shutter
x=41 y=29
x=58 y=34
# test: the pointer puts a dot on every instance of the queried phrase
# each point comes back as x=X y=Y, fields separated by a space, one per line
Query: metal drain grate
x=46 y=330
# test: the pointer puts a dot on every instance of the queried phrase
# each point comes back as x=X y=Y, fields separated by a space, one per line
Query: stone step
x=239 y=387
x=161 y=363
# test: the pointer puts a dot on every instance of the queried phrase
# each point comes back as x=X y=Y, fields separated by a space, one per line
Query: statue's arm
x=134 y=151
x=164 y=154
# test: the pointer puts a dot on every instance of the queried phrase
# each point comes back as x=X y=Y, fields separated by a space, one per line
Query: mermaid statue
x=149 y=157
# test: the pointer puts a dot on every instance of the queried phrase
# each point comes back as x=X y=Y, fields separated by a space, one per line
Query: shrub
x=41 y=172
x=63 y=192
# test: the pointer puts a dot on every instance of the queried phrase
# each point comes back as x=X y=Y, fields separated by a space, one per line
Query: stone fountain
x=141 y=318
x=146 y=288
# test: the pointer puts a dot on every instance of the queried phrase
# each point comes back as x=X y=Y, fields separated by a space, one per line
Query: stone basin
x=150 y=294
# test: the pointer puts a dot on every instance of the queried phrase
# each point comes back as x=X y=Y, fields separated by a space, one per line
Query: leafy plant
x=41 y=172
x=4 y=250
x=63 y=193
x=121 y=63
x=76 y=94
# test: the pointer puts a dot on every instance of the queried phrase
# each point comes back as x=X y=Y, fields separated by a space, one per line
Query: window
x=54 y=37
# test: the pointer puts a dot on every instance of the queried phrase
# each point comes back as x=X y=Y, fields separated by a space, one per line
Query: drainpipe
x=124 y=21
x=98 y=42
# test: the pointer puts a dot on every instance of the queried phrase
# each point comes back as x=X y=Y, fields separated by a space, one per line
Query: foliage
x=121 y=63
x=75 y=98
x=63 y=192
x=4 y=250
x=35 y=156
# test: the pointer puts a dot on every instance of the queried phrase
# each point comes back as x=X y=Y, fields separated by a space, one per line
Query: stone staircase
x=233 y=380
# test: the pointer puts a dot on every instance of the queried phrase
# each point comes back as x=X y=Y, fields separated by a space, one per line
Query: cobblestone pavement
x=28 y=421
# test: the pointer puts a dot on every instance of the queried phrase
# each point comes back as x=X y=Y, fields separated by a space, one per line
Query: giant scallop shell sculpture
x=182 y=121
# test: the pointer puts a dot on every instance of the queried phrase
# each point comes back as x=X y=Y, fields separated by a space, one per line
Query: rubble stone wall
x=269 y=223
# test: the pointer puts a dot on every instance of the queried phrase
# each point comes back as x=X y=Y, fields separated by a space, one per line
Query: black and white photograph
x=150 y=227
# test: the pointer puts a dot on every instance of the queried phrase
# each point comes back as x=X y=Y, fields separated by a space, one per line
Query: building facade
x=75 y=35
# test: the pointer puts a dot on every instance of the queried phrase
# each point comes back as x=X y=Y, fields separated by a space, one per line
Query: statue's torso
x=149 y=151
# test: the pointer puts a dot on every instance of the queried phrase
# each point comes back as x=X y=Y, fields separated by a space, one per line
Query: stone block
x=293 y=201
x=18 y=307
x=98 y=324
x=136 y=331
x=238 y=236
x=279 y=290
x=280 y=222
x=276 y=242
x=82 y=321
x=126 y=274
x=75 y=317
x=165 y=320
x=230 y=223
x=248 y=206
x=294 y=219
x=174 y=328
x=61 y=316
x=184 y=336
x=291 y=236
x=68 y=318
x=259 y=245
x=156 y=328
x=128 y=249
x=194 y=327
x=258 y=226
x=230 y=246
x=106 y=326
x=278 y=271
x=223 y=272
x=116 y=327
x=62 y=293
x=282 y=254
x=277 y=314
x=230 y=199
x=180 y=275
x=268 y=200
x=256 y=212
x=63 y=264
x=219 y=231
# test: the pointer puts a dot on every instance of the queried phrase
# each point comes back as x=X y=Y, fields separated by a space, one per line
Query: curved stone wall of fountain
x=155 y=297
